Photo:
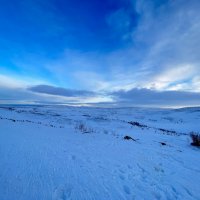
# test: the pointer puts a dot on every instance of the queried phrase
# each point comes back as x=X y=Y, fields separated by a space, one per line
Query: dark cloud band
x=52 y=90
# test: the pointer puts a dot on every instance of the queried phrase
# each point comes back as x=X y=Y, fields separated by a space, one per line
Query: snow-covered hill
x=57 y=152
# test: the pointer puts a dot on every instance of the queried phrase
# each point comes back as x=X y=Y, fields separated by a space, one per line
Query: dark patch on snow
x=195 y=139
x=128 y=138
x=137 y=124
x=164 y=131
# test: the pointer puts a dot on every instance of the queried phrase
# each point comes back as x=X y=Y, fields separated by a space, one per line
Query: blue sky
x=112 y=52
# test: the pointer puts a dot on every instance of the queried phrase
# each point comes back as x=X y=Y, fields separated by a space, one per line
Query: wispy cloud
x=165 y=45
x=162 y=55
x=158 y=53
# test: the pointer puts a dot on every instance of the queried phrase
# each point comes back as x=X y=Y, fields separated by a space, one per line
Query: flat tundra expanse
x=79 y=153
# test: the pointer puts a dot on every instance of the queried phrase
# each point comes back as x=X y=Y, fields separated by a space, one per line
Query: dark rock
x=195 y=139
x=195 y=144
x=128 y=138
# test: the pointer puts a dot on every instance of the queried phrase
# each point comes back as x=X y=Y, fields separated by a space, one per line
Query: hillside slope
x=79 y=153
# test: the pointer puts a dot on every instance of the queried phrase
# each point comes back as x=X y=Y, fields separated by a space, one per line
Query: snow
x=78 y=153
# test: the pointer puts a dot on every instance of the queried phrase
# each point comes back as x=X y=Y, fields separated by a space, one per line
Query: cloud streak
x=148 y=97
x=52 y=90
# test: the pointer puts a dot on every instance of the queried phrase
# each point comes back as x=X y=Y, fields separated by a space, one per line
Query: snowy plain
x=79 y=153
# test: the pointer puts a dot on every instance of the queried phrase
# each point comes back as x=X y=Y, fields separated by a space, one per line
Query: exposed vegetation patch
x=164 y=131
x=138 y=124
x=83 y=128
x=195 y=139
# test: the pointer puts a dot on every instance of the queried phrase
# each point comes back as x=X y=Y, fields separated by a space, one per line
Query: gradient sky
x=100 y=52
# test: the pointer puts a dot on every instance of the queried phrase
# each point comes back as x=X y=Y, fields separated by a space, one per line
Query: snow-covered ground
x=57 y=152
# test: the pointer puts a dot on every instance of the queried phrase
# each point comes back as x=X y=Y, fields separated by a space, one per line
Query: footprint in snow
x=59 y=194
x=121 y=171
x=72 y=157
x=121 y=177
x=130 y=167
x=126 y=189
x=62 y=194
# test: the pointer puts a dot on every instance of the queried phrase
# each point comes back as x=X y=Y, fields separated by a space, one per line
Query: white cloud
x=173 y=77
x=6 y=81
x=170 y=58
x=162 y=55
